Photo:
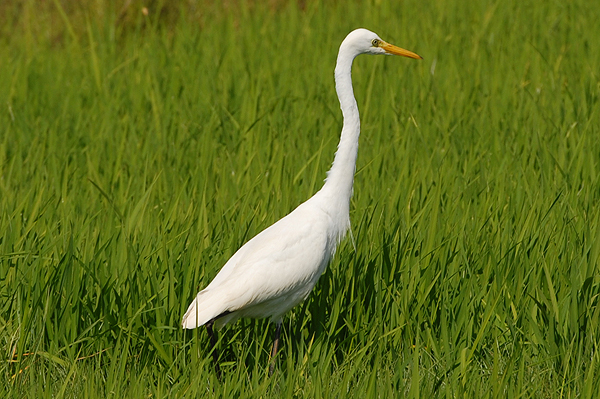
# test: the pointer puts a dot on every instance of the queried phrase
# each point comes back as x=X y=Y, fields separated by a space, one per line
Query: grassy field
x=137 y=154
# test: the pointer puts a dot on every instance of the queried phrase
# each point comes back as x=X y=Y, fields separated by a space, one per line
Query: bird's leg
x=213 y=344
x=275 y=347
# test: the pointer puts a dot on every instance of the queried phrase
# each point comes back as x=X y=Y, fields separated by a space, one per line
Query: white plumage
x=278 y=268
x=272 y=272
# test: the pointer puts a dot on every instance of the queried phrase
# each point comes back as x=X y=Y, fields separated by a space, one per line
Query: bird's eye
x=375 y=42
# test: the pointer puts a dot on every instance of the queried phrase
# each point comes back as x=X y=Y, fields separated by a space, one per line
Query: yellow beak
x=391 y=49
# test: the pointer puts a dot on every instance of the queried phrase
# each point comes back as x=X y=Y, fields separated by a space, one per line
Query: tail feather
x=201 y=311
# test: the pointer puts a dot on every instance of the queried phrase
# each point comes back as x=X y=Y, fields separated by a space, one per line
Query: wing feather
x=287 y=257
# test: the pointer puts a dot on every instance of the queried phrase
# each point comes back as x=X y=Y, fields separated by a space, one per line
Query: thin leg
x=275 y=347
x=213 y=349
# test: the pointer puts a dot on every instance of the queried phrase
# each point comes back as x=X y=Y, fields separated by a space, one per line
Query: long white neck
x=338 y=185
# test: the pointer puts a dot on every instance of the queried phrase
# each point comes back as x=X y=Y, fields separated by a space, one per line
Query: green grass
x=134 y=162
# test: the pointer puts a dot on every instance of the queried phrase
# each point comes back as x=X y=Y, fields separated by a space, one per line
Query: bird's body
x=279 y=267
x=273 y=271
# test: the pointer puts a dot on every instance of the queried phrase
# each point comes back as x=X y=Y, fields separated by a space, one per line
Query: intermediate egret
x=278 y=268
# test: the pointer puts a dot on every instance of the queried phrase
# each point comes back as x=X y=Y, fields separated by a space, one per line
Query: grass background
x=138 y=152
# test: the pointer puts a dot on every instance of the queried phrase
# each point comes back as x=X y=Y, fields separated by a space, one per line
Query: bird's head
x=363 y=41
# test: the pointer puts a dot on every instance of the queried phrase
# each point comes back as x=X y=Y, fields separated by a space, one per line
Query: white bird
x=278 y=268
